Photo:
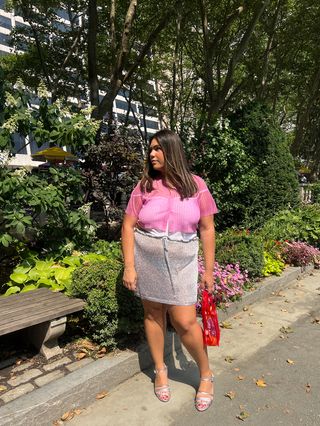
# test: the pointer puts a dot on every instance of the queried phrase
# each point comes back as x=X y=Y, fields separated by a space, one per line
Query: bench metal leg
x=45 y=336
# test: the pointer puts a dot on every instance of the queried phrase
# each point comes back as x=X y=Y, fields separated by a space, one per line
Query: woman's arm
x=127 y=241
x=207 y=236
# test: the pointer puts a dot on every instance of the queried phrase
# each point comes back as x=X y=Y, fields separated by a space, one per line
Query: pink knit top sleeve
x=163 y=210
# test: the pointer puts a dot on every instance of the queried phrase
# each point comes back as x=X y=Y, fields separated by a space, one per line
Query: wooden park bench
x=42 y=313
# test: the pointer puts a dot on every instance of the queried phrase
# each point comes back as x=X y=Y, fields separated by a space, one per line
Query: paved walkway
x=276 y=340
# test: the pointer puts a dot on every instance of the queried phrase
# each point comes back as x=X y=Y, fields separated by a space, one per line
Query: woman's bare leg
x=184 y=320
x=155 y=329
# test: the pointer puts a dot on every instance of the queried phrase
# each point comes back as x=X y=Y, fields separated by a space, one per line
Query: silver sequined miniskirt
x=167 y=270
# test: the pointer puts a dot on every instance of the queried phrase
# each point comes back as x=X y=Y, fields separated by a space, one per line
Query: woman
x=160 y=250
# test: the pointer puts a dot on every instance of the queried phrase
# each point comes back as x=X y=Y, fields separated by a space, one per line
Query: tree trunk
x=92 y=53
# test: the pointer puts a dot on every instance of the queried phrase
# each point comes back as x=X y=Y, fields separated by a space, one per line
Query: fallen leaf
x=236 y=369
x=102 y=394
x=57 y=423
x=316 y=321
x=77 y=411
x=100 y=355
x=3 y=388
x=289 y=361
x=87 y=345
x=286 y=330
x=241 y=377
x=250 y=315
x=19 y=362
x=229 y=359
x=308 y=388
x=81 y=355
x=287 y=301
x=284 y=310
x=245 y=308
x=67 y=416
x=231 y=394
x=261 y=383
x=226 y=324
x=281 y=336
x=103 y=350
x=243 y=415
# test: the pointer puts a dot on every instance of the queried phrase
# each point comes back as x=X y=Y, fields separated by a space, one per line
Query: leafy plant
x=111 y=311
x=298 y=253
x=301 y=224
x=243 y=248
x=272 y=265
x=112 y=168
x=35 y=273
x=222 y=159
x=41 y=210
x=53 y=122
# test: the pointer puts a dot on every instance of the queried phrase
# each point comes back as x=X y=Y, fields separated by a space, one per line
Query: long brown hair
x=176 y=171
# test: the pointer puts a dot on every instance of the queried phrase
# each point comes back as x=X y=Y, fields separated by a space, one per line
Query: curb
x=78 y=389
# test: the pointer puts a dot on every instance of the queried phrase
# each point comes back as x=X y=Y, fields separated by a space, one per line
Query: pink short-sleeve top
x=163 y=210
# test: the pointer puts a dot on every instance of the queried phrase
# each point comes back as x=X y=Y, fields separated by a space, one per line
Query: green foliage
x=35 y=273
x=40 y=209
x=243 y=248
x=227 y=166
x=276 y=185
x=51 y=122
x=111 y=311
x=302 y=224
x=315 y=190
x=272 y=265
x=108 y=248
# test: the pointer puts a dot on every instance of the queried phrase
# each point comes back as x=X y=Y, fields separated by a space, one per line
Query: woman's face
x=156 y=156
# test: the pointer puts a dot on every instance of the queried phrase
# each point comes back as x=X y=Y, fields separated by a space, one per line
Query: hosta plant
x=34 y=273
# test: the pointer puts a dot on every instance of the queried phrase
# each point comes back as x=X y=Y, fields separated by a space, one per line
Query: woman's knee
x=153 y=311
x=182 y=324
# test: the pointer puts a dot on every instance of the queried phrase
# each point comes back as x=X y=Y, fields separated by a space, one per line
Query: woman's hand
x=207 y=281
x=130 y=278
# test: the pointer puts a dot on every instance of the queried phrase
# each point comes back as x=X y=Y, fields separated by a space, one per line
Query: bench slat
x=26 y=309
x=36 y=301
x=34 y=319
x=24 y=296
x=39 y=310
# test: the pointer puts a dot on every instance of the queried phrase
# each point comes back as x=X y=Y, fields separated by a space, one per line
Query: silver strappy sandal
x=162 y=392
x=202 y=403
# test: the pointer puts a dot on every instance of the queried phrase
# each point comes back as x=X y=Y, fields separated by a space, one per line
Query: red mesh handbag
x=211 y=330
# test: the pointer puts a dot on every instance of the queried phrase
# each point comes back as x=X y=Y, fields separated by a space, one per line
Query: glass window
x=124 y=105
x=62 y=14
x=124 y=93
x=21 y=25
x=4 y=39
x=152 y=124
x=5 y=22
x=35 y=148
x=19 y=144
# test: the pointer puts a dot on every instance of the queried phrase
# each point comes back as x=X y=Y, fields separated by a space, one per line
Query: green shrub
x=243 y=248
x=302 y=224
x=112 y=311
x=276 y=186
